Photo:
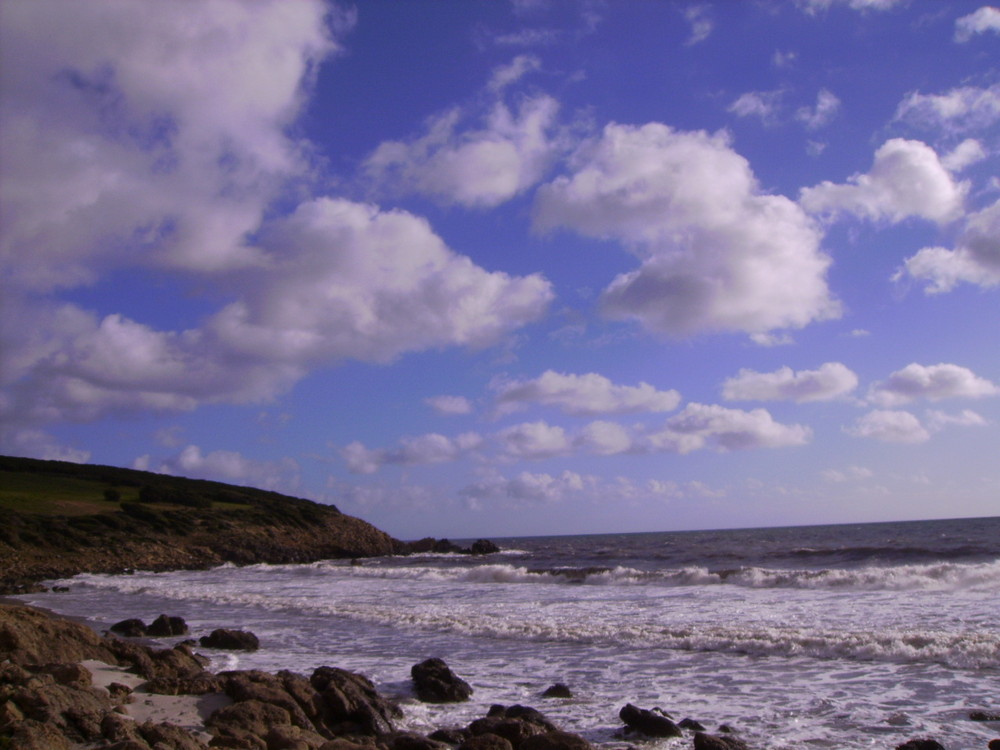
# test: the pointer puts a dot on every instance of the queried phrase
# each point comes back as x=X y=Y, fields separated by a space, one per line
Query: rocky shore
x=65 y=687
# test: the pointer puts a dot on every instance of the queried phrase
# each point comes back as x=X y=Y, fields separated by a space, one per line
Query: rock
x=650 y=723
x=557 y=691
x=116 y=728
x=515 y=731
x=411 y=741
x=694 y=726
x=994 y=744
x=293 y=738
x=342 y=744
x=267 y=688
x=921 y=744
x=202 y=683
x=74 y=712
x=131 y=628
x=984 y=716
x=171 y=736
x=164 y=626
x=483 y=547
x=35 y=735
x=74 y=675
x=556 y=741
x=351 y=705
x=434 y=682
x=247 y=720
x=486 y=741
x=231 y=640
x=30 y=636
x=450 y=736
x=704 y=741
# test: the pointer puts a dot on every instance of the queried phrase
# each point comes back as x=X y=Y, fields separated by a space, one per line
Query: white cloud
x=772 y=339
x=534 y=440
x=980 y=21
x=938 y=420
x=965 y=153
x=701 y=23
x=430 y=448
x=906 y=179
x=890 y=426
x=449 y=404
x=528 y=487
x=963 y=109
x=764 y=105
x=716 y=253
x=234 y=468
x=827 y=106
x=588 y=394
x=814 y=6
x=975 y=260
x=933 y=382
x=604 y=438
x=474 y=167
x=851 y=473
x=118 y=149
x=520 y=66
x=831 y=380
x=712 y=426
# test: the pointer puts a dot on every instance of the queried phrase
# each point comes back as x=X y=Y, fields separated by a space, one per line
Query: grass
x=57 y=496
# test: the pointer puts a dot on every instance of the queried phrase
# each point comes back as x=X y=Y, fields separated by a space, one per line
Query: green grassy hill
x=59 y=518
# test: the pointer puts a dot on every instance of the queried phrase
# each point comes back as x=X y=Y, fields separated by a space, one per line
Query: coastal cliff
x=58 y=519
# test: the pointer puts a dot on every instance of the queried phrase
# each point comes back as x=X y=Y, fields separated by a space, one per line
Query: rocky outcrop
x=434 y=682
x=704 y=741
x=444 y=547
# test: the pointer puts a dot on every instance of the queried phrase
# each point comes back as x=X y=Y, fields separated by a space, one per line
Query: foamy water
x=843 y=643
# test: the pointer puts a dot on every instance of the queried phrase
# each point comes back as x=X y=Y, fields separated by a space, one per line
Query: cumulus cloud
x=527 y=487
x=938 y=420
x=449 y=404
x=906 y=179
x=980 y=21
x=975 y=259
x=933 y=382
x=604 y=438
x=582 y=395
x=826 y=108
x=964 y=154
x=234 y=468
x=117 y=149
x=534 y=440
x=962 y=109
x=711 y=426
x=890 y=426
x=764 y=105
x=831 y=380
x=716 y=253
x=343 y=280
x=430 y=448
x=480 y=167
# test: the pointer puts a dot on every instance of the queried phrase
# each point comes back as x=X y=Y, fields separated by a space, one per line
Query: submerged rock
x=704 y=741
x=921 y=744
x=557 y=691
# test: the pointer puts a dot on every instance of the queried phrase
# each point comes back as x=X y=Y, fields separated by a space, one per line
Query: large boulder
x=434 y=682
x=248 y=720
x=30 y=636
x=133 y=627
x=231 y=640
x=648 y=722
x=920 y=744
x=556 y=741
x=351 y=705
x=164 y=626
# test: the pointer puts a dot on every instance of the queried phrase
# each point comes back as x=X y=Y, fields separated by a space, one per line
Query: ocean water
x=848 y=636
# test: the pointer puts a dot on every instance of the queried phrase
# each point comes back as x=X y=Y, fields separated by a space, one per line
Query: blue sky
x=472 y=268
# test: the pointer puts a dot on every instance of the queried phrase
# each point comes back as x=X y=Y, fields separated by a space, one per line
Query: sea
x=842 y=636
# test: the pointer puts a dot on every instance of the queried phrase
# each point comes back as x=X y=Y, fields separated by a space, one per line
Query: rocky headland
x=58 y=519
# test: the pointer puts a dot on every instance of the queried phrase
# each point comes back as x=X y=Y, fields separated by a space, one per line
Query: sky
x=475 y=268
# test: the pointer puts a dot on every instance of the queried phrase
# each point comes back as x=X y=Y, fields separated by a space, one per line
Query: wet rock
x=557 y=691
x=694 y=726
x=164 y=626
x=450 y=736
x=351 y=705
x=486 y=741
x=984 y=716
x=994 y=744
x=704 y=741
x=556 y=741
x=411 y=741
x=434 y=682
x=647 y=722
x=921 y=744
x=515 y=731
x=130 y=628
x=230 y=640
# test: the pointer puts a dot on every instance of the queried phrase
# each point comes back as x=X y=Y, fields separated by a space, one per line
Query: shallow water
x=840 y=636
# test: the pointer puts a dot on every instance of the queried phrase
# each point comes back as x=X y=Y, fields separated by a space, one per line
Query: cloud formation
x=906 y=179
x=975 y=259
x=831 y=380
x=890 y=426
x=582 y=395
x=962 y=109
x=711 y=426
x=932 y=382
x=716 y=253
x=981 y=21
